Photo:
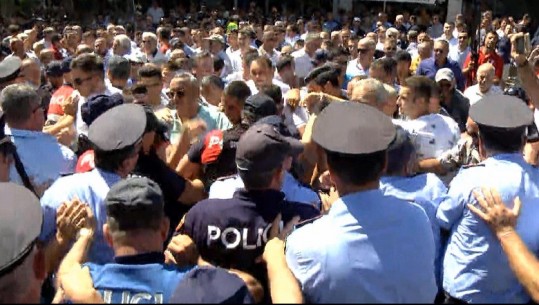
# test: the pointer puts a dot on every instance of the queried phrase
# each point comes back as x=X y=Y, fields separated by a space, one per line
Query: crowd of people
x=232 y=158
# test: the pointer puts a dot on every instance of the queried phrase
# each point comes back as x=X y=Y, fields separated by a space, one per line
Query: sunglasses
x=438 y=50
x=363 y=50
x=79 y=82
x=171 y=94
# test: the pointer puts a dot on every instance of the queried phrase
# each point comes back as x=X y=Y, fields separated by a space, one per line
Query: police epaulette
x=473 y=165
x=306 y=222
x=225 y=177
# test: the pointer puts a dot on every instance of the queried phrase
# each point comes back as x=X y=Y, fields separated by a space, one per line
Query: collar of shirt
x=141 y=259
x=262 y=198
x=109 y=177
x=511 y=157
x=352 y=202
x=22 y=133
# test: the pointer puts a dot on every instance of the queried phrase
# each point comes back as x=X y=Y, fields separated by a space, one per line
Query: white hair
x=373 y=92
x=392 y=31
x=149 y=35
x=124 y=42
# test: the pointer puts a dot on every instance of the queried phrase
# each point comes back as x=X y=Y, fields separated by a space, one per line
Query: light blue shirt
x=44 y=159
x=459 y=56
x=475 y=268
x=369 y=248
x=91 y=188
x=427 y=191
x=354 y=69
x=292 y=189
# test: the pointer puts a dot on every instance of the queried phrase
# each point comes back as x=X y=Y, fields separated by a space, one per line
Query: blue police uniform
x=427 y=191
x=293 y=190
x=90 y=188
x=370 y=247
x=475 y=268
x=44 y=159
x=142 y=278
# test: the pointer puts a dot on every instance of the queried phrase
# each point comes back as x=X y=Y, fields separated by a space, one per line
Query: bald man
x=373 y=93
x=360 y=66
x=485 y=84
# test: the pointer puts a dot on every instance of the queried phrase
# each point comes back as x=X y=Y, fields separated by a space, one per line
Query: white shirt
x=459 y=56
x=82 y=128
x=274 y=56
x=303 y=64
x=254 y=90
x=158 y=59
x=432 y=134
x=474 y=94
x=156 y=13
x=453 y=42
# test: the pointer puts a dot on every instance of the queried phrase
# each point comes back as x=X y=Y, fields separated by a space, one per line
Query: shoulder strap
x=22 y=173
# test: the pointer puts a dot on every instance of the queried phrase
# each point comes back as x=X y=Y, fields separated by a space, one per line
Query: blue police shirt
x=427 y=191
x=369 y=248
x=136 y=279
x=44 y=159
x=293 y=190
x=91 y=188
x=429 y=68
x=475 y=268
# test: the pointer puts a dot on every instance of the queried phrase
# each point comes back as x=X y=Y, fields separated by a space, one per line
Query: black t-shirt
x=170 y=182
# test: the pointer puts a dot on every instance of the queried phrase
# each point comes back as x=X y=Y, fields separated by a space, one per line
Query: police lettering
x=233 y=238
x=136 y=298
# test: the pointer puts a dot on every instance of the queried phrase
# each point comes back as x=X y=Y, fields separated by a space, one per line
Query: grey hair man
x=118 y=71
x=121 y=45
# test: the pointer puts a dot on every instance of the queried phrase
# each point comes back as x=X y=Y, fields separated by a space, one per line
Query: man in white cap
x=451 y=99
x=22 y=262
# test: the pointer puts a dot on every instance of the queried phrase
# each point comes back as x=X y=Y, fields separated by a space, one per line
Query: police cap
x=501 y=111
x=9 y=69
x=353 y=128
x=118 y=128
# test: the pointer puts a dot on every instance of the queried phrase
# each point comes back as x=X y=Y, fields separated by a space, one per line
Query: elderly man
x=303 y=57
x=451 y=99
x=150 y=51
x=360 y=66
x=44 y=160
x=121 y=45
x=372 y=92
x=429 y=67
x=485 y=84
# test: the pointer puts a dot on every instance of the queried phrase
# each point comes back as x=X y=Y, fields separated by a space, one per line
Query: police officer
x=370 y=247
x=231 y=233
x=9 y=71
x=425 y=190
x=116 y=137
x=295 y=191
x=136 y=227
x=474 y=267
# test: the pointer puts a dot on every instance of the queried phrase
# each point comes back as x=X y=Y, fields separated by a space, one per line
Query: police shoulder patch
x=473 y=165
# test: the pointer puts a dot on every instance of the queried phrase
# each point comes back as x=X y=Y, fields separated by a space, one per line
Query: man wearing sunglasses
x=360 y=66
x=88 y=73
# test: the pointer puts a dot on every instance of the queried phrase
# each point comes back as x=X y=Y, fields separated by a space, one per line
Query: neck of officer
x=99 y=89
x=138 y=242
x=345 y=189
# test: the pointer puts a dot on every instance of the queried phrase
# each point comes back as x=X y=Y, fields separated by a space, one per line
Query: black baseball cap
x=259 y=105
x=262 y=148
x=99 y=104
x=134 y=198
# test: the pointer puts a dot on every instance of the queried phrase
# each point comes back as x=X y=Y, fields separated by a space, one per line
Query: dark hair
x=331 y=76
x=399 y=152
x=263 y=60
x=502 y=140
x=284 y=61
x=56 y=37
x=255 y=180
x=212 y=80
x=335 y=52
x=420 y=85
x=150 y=70
x=89 y=63
x=121 y=217
x=218 y=63
x=165 y=33
x=357 y=169
x=275 y=93
x=402 y=55
x=119 y=67
x=238 y=89
x=250 y=56
x=387 y=64
x=112 y=161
